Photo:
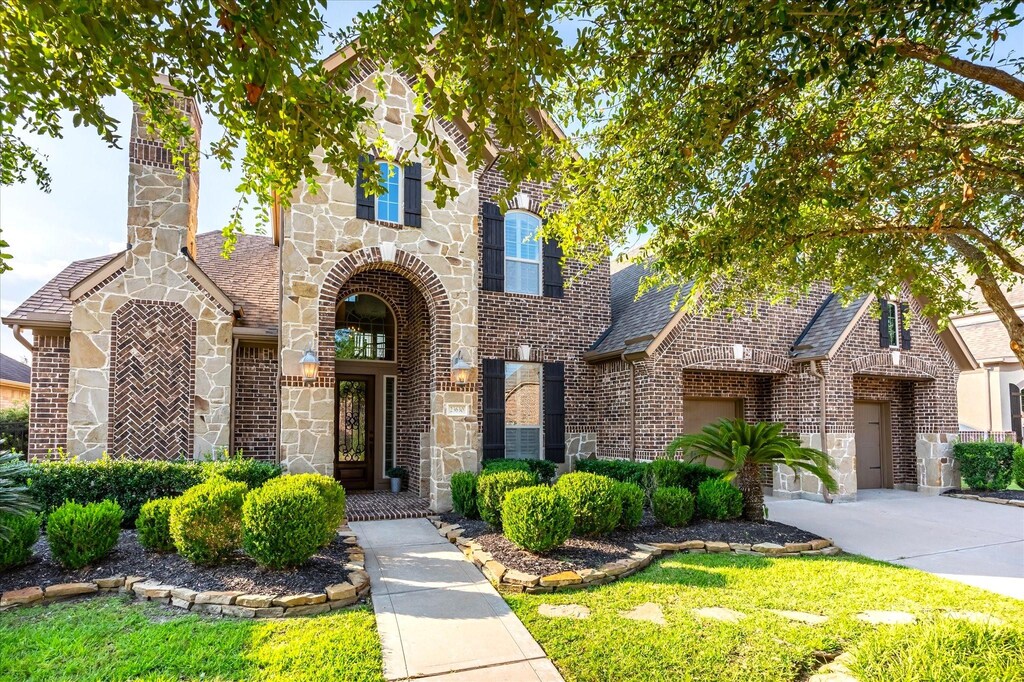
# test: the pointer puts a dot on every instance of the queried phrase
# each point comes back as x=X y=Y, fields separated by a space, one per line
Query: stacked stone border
x=510 y=580
x=983 y=498
x=234 y=604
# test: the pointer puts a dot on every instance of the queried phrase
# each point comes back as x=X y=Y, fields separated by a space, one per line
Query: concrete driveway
x=977 y=543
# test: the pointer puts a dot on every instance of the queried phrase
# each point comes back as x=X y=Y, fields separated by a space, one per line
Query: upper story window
x=522 y=253
x=389 y=202
x=364 y=329
x=891 y=317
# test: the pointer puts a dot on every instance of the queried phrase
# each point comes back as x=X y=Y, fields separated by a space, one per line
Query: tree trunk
x=748 y=480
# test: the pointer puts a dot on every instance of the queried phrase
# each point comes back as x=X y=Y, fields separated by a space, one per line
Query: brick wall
x=256 y=401
x=48 y=407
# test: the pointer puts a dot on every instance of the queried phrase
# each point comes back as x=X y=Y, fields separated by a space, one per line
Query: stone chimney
x=162 y=207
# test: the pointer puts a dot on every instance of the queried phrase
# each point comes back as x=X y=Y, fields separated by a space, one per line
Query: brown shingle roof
x=987 y=341
x=250 y=278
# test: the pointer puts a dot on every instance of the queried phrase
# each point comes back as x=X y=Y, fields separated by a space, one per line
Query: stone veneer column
x=937 y=469
x=578 y=446
x=841 y=448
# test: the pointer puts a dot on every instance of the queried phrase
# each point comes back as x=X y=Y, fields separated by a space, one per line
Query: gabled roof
x=13 y=370
x=250 y=278
x=636 y=322
x=826 y=328
x=988 y=341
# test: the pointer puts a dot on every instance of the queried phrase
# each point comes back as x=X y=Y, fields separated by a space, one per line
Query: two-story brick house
x=372 y=331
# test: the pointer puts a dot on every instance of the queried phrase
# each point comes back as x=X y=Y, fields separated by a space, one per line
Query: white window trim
x=392 y=456
x=540 y=254
x=400 y=174
x=894 y=317
x=540 y=426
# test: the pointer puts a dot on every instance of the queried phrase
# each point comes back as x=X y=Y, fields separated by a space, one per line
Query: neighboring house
x=373 y=331
x=990 y=396
x=15 y=382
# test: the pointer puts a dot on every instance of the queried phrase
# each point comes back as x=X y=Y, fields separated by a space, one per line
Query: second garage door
x=699 y=412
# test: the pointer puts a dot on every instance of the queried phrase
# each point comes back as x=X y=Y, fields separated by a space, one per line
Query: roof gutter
x=16 y=330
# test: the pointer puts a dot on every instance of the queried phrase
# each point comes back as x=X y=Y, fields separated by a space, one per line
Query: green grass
x=764 y=646
x=109 y=639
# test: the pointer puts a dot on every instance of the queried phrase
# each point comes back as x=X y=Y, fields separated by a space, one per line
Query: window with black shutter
x=888 y=325
x=493 y=248
x=413 y=196
x=1015 y=421
x=365 y=203
x=904 y=326
x=553 y=283
x=554 y=411
x=494 y=409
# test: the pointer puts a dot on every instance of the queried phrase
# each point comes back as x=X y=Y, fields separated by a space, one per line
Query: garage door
x=699 y=412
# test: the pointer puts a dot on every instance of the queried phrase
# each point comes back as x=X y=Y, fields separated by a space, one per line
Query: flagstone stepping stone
x=564 y=611
x=974 y=617
x=649 y=612
x=802 y=617
x=720 y=613
x=886 y=617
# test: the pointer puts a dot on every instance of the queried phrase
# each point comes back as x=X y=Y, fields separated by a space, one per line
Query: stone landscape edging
x=511 y=580
x=984 y=498
x=231 y=603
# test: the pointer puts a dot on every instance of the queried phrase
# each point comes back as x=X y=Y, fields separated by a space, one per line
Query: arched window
x=364 y=329
x=522 y=253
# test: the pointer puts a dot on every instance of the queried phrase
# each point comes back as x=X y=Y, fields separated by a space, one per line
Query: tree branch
x=989 y=75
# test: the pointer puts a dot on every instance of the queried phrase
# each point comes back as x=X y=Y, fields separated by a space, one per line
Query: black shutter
x=904 y=327
x=554 y=411
x=553 y=284
x=1015 y=411
x=413 y=195
x=494 y=409
x=883 y=324
x=494 y=248
x=365 y=203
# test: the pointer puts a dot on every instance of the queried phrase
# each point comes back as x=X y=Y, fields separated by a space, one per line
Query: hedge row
x=986 y=465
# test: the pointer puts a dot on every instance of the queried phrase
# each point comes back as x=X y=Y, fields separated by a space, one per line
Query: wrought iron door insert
x=354 y=434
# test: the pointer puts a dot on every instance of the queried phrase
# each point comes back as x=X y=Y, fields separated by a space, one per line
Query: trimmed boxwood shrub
x=718 y=500
x=464 y=494
x=80 y=534
x=672 y=506
x=284 y=524
x=543 y=469
x=154 y=525
x=331 y=492
x=986 y=465
x=596 y=505
x=672 y=473
x=537 y=518
x=22 y=533
x=206 y=521
x=491 y=489
x=1018 y=465
x=620 y=469
x=252 y=472
x=632 y=497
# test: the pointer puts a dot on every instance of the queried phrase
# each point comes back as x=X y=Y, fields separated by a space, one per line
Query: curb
x=983 y=498
x=234 y=604
x=511 y=580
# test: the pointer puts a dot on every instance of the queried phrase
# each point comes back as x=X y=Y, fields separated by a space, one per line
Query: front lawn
x=108 y=639
x=767 y=646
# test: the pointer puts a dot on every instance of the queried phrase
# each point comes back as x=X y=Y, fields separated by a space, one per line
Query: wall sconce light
x=737 y=351
x=310 y=366
x=461 y=369
x=388 y=251
x=524 y=352
x=895 y=358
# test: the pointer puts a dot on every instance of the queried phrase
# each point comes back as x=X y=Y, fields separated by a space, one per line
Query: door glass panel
x=352 y=427
x=389 y=421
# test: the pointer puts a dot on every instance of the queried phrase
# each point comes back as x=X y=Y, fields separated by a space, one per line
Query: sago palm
x=744 y=448
x=14 y=497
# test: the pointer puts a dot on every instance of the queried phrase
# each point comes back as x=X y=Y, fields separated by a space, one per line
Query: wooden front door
x=869 y=431
x=354 y=431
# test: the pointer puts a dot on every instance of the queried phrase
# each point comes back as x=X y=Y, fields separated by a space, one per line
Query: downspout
x=16 y=331
x=234 y=390
x=816 y=372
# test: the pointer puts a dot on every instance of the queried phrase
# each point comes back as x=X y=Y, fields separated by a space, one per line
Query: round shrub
x=464 y=493
x=79 y=535
x=632 y=497
x=672 y=473
x=206 y=521
x=491 y=490
x=537 y=519
x=154 y=525
x=284 y=525
x=595 y=501
x=22 y=533
x=672 y=506
x=1018 y=465
x=331 y=492
x=719 y=500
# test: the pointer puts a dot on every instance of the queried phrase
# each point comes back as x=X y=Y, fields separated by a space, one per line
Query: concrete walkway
x=437 y=616
x=977 y=543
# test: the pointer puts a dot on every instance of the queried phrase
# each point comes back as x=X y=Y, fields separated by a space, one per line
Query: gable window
x=364 y=329
x=522 y=253
x=892 y=327
x=389 y=201
x=522 y=410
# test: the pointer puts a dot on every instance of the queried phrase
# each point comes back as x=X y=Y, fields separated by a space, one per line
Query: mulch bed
x=129 y=558
x=1000 y=494
x=578 y=553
